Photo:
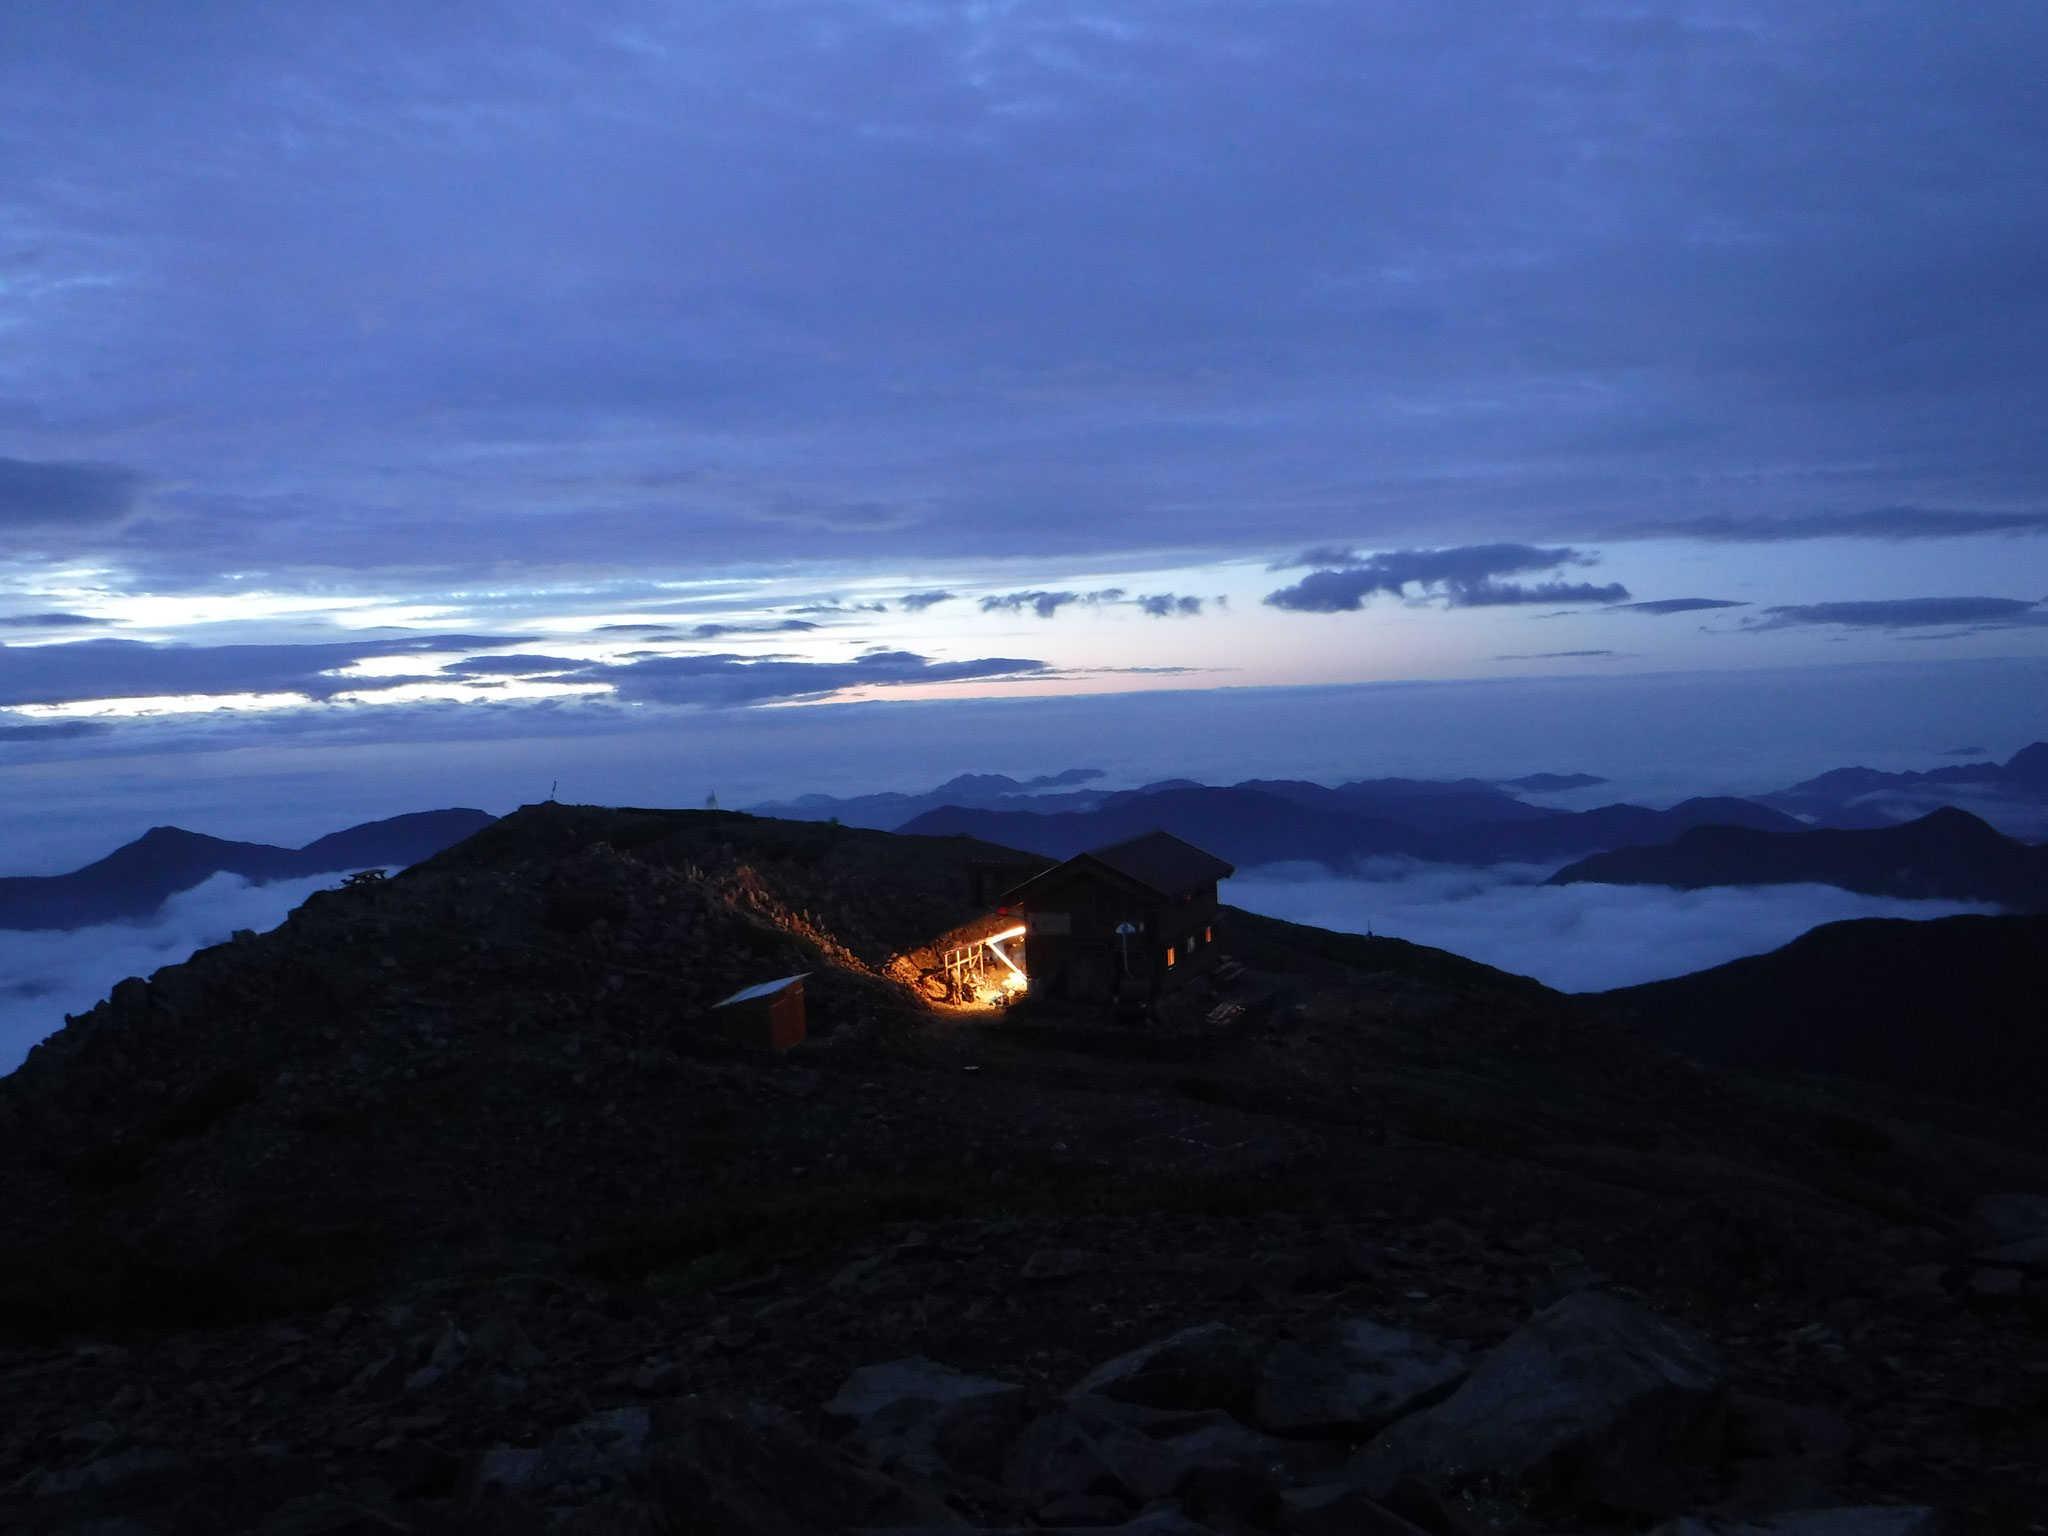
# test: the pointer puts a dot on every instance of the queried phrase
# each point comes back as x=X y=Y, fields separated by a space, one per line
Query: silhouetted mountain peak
x=138 y=877
x=1947 y=854
x=2029 y=767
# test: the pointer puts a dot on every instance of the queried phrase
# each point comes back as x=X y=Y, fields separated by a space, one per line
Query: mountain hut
x=1128 y=921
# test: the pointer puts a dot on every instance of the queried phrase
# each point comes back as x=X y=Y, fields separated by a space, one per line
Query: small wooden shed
x=766 y=1016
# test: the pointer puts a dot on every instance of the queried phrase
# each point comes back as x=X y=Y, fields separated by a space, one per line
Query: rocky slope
x=445 y=1208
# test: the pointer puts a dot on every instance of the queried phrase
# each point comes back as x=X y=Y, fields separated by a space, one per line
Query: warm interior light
x=995 y=944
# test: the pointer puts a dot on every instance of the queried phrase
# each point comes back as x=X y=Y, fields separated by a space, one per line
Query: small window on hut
x=1169 y=959
x=1208 y=935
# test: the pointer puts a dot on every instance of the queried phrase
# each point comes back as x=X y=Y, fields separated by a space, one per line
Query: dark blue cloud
x=1893 y=523
x=1046 y=604
x=1669 y=605
x=728 y=681
x=917 y=602
x=55 y=730
x=778 y=627
x=50 y=621
x=720 y=285
x=1495 y=594
x=514 y=664
x=1466 y=577
x=60 y=495
x=1909 y=613
x=1165 y=605
x=116 y=669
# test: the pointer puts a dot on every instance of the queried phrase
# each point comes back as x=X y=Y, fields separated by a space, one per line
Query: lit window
x=1169 y=959
x=1208 y=935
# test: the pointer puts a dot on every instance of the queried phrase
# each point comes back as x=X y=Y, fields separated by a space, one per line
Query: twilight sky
x=391 y=375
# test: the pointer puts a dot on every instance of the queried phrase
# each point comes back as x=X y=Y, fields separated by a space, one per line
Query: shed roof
x=1161 y=863
x=761 y=989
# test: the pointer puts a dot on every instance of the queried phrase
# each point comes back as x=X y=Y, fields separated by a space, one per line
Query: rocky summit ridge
x=445 y=1207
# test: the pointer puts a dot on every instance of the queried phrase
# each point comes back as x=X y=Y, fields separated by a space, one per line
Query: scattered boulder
x=876 y=1389
x=1784 y=1455
x=1092 y=1448
x=1216 y=1495
x=1209 y=1366
x=919 y=1417
x=1596 y=1400
x=502 y=1466
x=1863 y=1520
x=2029 y=1253
x=2012 y=1231
x=753 y=1471
x=325 y=1514
x=2009 y=1218
x=496 y=1510
x=503 y=1342
x=1212 y=1440
x=1995 y=1285
x=595 y=1455
x=1339 y=1509
x=419 y=1469
x=139 y=1471
x=1083 y=1449
x=1054 y=1266
x=1352 y=1378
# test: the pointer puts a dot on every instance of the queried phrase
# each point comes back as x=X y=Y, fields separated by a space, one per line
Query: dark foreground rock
x=1352 y=1377
x=1596 y=1408
x=1596 y=1401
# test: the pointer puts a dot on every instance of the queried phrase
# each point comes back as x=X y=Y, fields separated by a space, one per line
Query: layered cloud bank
x=1578 y=938
x=44 y=976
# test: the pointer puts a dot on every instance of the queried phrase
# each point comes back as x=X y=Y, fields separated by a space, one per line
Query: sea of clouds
x=1577 y=938
x=44 y=976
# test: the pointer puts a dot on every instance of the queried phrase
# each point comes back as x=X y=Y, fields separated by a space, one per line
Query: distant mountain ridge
x=1946 y=854
x=1418 y=802
x=2012 y=795
x=1258 y=825
x=139 y=877
x=888 y=810
x=1857 y=799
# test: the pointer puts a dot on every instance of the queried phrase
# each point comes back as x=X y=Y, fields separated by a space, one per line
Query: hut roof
x=1158 y=861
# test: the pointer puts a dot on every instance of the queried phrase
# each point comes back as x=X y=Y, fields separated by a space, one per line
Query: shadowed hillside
x=1957 y=1006
x=451 y=1197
